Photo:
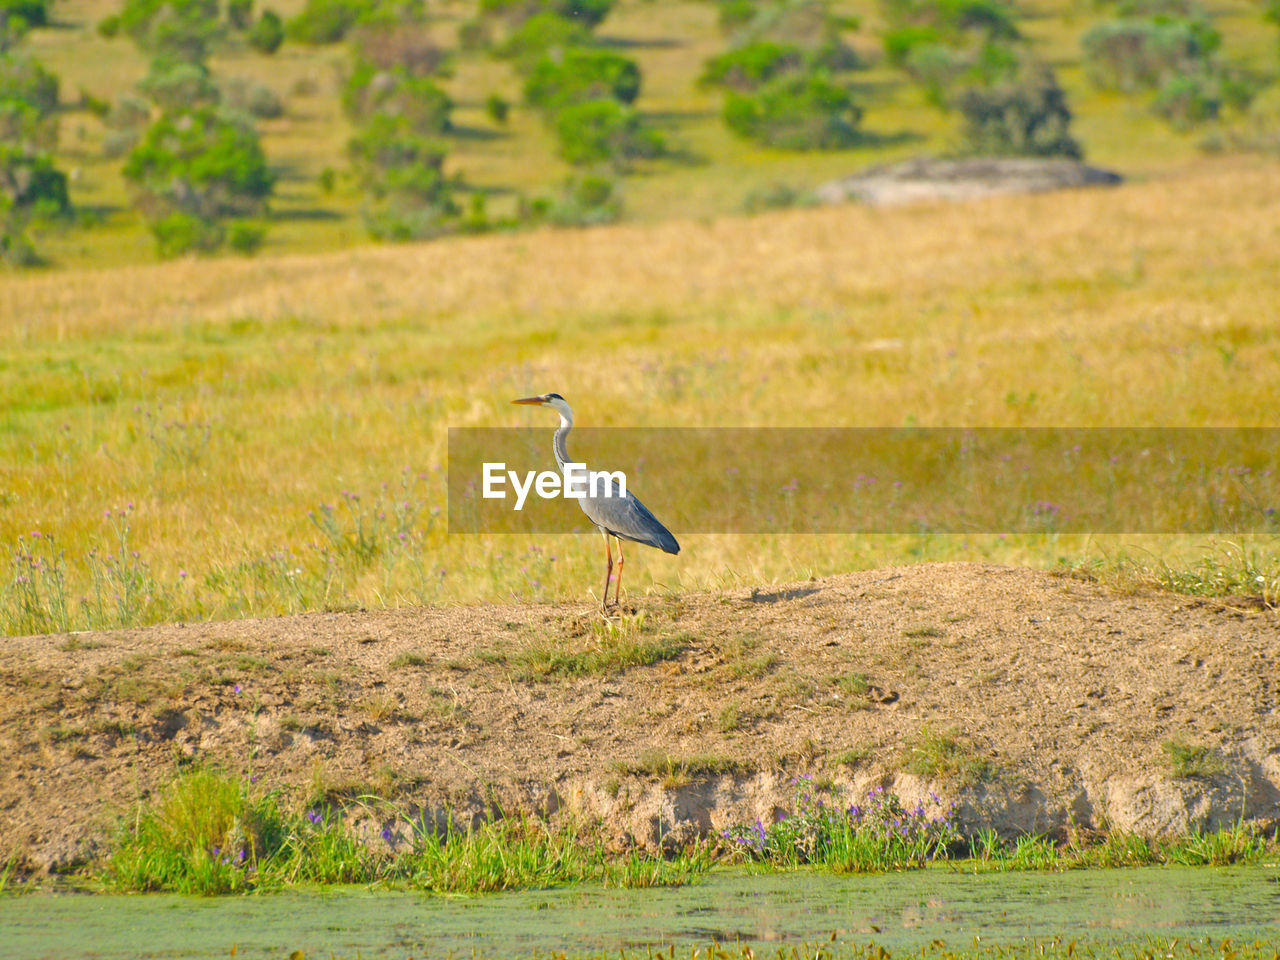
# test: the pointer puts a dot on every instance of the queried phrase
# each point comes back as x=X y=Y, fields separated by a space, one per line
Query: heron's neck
x=557 y=443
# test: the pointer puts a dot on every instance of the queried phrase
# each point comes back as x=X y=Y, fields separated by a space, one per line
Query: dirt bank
x=1050 y=699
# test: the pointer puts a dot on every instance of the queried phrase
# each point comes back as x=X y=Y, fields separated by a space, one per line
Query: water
x=896 y=910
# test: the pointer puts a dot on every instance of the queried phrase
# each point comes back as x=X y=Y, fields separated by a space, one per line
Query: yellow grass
x=302 y=377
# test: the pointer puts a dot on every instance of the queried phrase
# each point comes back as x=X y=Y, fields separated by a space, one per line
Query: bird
x=620 y=516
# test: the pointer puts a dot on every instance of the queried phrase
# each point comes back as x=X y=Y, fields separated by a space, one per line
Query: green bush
x=1134 y=55
x=174 y=30
x=267 y=33
x=1188 y=99
x=804 y=111
x=249 y=96
x=179 y=86
x=24 y=80
x=1026 y=115
x=581 y=74
x=598 y=131
x=901 y=42
x=583 y=201
x=30 y=184
x=497 y=108
x=419 y=101
x=540 y=35
x=202 y=163
x=403 y=173
x=952 y=20
x=31 y=13
x=735 y=15
x=240 y=14
x=109 y=26
x=244 y=236
x=806 y=24
x=180 y=233
x=327 y=21
x=590 y=13
x=746 y=67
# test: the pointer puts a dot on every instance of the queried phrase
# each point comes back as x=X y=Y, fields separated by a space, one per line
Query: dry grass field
x=170 y=427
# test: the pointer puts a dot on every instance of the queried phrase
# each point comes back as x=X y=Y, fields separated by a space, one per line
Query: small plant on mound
x=877 y=834
x=934 y=754
x=1187 y=761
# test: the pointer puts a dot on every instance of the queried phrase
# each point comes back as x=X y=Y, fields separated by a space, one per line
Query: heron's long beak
x=536 y=401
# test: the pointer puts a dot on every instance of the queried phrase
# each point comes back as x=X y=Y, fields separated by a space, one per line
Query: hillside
x=1035 y=700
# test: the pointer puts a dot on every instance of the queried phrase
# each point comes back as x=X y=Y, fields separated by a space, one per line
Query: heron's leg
x=608 y=573
x=617 y=589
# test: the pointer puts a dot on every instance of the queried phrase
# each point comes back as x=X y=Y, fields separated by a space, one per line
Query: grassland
x=210 y=406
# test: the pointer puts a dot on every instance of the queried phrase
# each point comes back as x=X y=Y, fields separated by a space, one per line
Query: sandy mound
x=1061 y=690
x=926 y=178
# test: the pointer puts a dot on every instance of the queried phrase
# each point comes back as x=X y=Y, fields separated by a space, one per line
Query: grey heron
x=622 y=517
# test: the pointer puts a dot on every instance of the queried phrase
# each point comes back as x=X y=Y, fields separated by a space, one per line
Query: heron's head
x=552 y=400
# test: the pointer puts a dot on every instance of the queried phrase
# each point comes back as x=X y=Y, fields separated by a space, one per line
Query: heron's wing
x=628 y=518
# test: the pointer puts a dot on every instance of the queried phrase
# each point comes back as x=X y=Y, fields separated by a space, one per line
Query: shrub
x=746 y=67
x=597 y=131
x=806 y=24
x=796 y=112
x=180 y=86
x=327 y=21
x=30 y=13
x=251 y=97
x=174 y=30
x=540 y=35
x=497 y=108
x=952 y=20
x=1024 y=116
x=30 y=184
x=735 y=15
x=590 y=13
x=581 y=74
x=474 y=34
x=202 y=163
x=240 y=13
x=583 y=201
x=1188 y=99
x=24 y=80
x=245 y=237
x=267 y=32
x=180 y=233
x=1134 y=55
x=419 y=101
x=901 y=42
x=109 y=26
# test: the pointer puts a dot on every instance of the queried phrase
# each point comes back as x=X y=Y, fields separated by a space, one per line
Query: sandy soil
x=1065 y=689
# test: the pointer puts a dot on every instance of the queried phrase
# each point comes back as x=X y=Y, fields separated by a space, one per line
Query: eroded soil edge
x=1066 y=689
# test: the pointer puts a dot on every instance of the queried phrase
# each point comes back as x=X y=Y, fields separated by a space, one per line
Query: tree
x=267 y=32
x=172 y=30
x=198 y=165
x=31 y=187
x=579 y=74
x=1026 y=115
x=795 y=111
x=402 y=170
x=605 y=131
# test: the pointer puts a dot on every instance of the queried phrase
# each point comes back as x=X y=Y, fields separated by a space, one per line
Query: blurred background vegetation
x=143 y=128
